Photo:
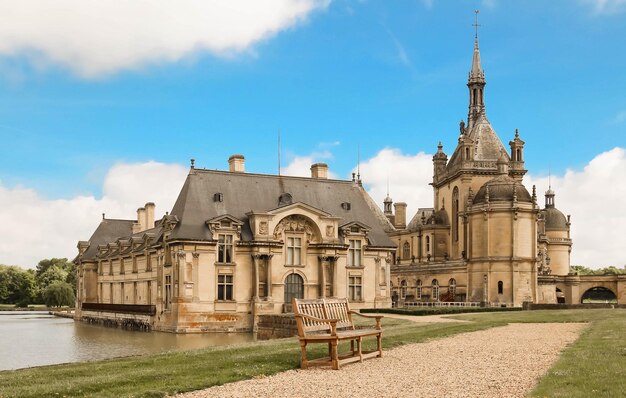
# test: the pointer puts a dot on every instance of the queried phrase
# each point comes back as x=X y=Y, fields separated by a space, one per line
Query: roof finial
x=476 y=25
x=103 y=216
x=193 y=162
x=358 y=163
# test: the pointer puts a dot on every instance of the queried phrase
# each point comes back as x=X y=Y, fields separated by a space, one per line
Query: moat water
x=35 y=339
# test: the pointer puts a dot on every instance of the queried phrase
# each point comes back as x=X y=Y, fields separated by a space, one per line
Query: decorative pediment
x=354 y=228
x=299 y=207
x=224 y=222
x=169 y=222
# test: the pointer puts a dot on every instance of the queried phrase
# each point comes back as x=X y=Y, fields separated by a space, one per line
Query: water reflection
x=36 y=338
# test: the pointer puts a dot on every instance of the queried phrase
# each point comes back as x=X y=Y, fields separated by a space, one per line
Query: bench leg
x=334 y=357
x=379 y=339
x=352 y=347
x=303 y=361
x=359 y=345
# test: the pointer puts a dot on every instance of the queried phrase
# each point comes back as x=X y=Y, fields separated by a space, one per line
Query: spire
x=476 y=83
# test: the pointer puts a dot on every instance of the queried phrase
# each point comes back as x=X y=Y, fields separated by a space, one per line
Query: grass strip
x=162 y=374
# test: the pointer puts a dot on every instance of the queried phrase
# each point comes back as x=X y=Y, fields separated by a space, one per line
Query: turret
x=440 y=159
x=517 y=158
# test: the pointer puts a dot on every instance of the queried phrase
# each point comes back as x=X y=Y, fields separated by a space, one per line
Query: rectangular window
x=294 y=251
x=225 y=249
x=354 y=253
x=148 y=262
x=224 y=287
x=121 y=265
x=110 y=267
x=168 y=291
x=355 y=288
x=134 y=264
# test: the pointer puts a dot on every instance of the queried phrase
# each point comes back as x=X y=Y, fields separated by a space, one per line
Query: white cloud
x=300 y=166
x=594 y=196
x=41 y=228
x=99 y=37
x=606 y=7
x=408 y=177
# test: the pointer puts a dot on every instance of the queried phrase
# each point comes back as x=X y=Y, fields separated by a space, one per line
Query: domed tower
x=555 y=236
x=502 y=247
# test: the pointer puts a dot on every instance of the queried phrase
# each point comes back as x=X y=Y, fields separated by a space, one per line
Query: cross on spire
x=476 y=25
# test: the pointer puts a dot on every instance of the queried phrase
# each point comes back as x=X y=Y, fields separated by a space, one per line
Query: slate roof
x=487 y=144
x=246 y=192
x=501 y=189
x=555 y=220
x=108 y=231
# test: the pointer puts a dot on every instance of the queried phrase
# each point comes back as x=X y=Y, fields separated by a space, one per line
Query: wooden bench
x=330 y=321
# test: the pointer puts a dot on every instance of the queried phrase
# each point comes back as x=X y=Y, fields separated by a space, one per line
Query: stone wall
x=276 y=326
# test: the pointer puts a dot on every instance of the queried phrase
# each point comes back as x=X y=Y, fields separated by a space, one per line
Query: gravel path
x=499 y=362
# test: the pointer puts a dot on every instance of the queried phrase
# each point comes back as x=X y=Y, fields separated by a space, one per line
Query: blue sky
x=377 y=74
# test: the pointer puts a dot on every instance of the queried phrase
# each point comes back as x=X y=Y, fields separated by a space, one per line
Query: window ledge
x=355 y=267
x=295 y=266
x=225 y=264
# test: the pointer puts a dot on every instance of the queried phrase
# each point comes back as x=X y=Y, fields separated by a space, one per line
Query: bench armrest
x=333 y=322
x=377 y=317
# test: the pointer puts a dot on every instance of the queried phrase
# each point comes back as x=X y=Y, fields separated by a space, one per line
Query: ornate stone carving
x=296 y=223
x=263 y=228
x=195 y=255
x=330 y=231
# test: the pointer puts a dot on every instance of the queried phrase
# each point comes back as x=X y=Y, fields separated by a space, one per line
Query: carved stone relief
x=296 y=223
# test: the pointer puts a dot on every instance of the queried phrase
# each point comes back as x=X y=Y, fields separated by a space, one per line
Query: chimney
x=236 y=164
x=400 y=218
x=149 y=215
x=319 y=170
x=141 y=220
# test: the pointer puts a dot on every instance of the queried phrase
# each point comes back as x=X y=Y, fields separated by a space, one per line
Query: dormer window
x=354 y=252
x=225 y=249
x=218 y=197
x=346 y=206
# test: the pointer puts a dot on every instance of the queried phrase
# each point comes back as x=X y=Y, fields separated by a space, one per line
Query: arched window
x=455 y=214
x=294 y=287
x=467 y=153
x=500 y=287
x=519 y=155
x=406 y=251
x=435 y=288
x=418 y=289
x=403 y=289
x=427 y=244
x=452 y=286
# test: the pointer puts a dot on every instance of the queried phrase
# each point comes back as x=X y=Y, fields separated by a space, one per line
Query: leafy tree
x=17 y=286
x=49 y=270
x=59 y=294
x=611 y=270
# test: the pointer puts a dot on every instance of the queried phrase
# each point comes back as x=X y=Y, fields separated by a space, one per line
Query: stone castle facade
x=238 y=245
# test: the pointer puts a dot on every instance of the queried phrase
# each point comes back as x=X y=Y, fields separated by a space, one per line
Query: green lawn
x=594 y=365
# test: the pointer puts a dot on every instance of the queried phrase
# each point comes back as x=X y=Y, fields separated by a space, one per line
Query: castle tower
x=557 y=240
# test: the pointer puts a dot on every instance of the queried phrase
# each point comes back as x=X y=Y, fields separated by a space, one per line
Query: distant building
x=234 y=246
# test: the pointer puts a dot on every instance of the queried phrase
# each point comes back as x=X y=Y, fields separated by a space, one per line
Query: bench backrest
x=324 y=309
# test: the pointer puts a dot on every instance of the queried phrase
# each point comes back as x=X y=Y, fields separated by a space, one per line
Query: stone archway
x=598 y=294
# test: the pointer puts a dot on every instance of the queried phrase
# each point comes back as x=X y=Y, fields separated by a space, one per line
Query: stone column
x=322 y=281
x=255 y=289
x=268 y=276
x=194 y=270
x=180 y=269
x=335 y=270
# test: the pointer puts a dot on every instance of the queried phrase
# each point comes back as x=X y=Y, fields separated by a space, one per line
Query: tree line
x=52 y=282
x=612 y=270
